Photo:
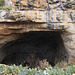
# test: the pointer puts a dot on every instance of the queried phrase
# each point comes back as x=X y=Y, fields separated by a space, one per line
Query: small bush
x=2 y=2
x=20 y=70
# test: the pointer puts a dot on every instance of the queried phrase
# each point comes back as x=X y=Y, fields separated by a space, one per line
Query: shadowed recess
x=34 y=47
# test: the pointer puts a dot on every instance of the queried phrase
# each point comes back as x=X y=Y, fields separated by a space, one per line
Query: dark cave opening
x=33 y=47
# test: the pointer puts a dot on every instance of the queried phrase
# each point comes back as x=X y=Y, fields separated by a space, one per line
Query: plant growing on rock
x=1 y=2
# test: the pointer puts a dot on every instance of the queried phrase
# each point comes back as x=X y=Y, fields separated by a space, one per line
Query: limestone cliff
x=38 y=15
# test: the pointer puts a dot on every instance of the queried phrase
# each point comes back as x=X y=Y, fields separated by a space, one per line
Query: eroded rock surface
x=38 y=15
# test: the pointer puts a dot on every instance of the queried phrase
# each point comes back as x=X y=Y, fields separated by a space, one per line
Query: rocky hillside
x=20 y=16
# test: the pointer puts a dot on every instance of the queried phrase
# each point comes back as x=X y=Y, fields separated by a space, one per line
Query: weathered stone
x=39 y=15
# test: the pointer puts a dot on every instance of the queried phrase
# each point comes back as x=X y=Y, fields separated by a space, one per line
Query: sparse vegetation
x=6 y=7
x=20 y=70
x=1 y=2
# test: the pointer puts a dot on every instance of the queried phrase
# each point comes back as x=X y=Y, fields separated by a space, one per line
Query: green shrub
x=20 y=70
x=2 y=2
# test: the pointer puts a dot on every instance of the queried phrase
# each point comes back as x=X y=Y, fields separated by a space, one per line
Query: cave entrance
x=34 y=47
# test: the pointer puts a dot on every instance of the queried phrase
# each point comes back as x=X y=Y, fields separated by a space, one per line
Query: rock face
x=38 y=15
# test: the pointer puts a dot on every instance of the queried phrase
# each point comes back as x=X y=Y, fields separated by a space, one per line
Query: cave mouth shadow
x=33 y=47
